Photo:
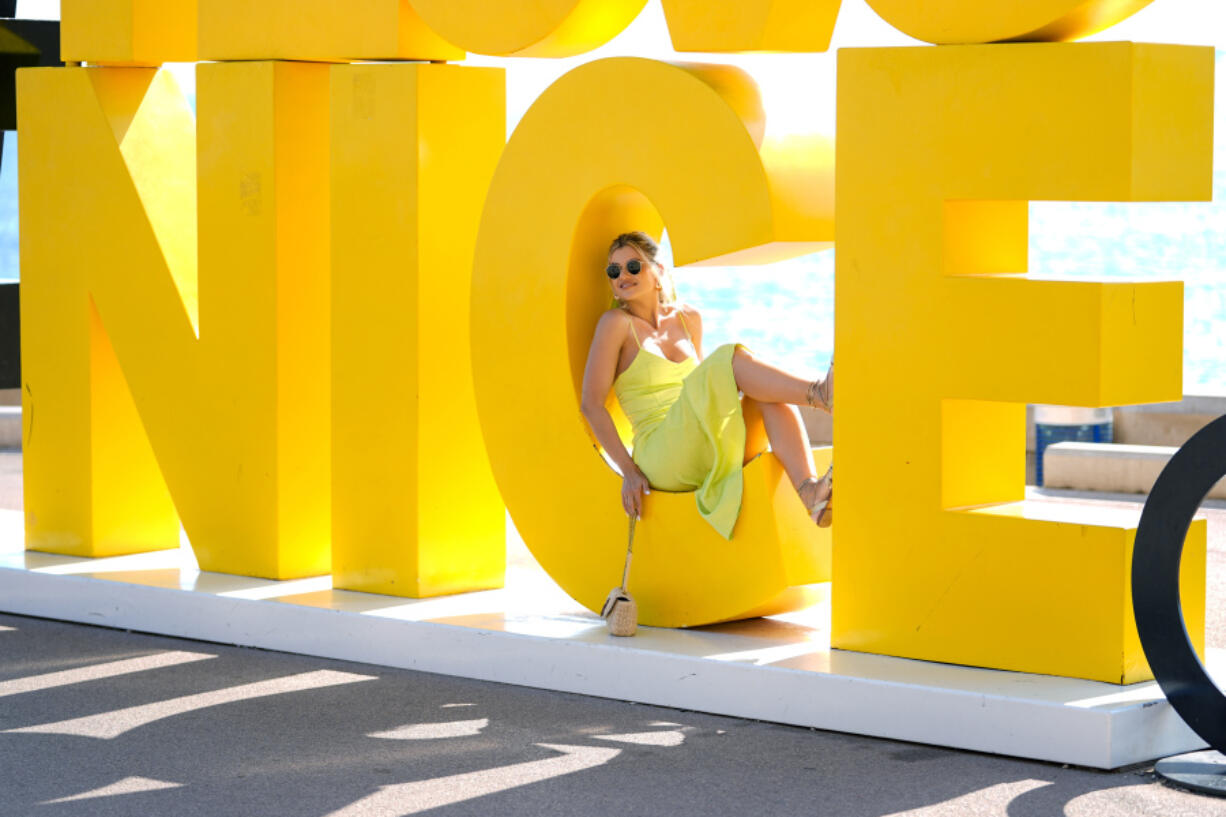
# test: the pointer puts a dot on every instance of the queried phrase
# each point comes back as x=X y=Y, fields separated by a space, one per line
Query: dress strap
x=633 y=334
x=684 y=325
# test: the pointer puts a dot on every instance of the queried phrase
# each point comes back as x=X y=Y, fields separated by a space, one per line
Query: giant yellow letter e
x=940 y=348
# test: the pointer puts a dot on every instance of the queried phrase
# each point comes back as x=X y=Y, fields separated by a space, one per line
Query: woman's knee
x=741 y=358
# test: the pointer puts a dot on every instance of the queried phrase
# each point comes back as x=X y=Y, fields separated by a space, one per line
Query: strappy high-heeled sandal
x=821 y=392
x=820 y=511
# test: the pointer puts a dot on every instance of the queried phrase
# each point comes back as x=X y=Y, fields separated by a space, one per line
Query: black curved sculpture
x=1173 y=501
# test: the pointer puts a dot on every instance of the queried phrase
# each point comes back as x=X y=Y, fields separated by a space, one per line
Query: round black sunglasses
x=633 y=266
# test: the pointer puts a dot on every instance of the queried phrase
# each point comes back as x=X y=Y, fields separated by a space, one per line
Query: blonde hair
x=648 y=248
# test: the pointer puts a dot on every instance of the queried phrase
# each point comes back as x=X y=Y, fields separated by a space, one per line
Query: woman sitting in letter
x=686 y=413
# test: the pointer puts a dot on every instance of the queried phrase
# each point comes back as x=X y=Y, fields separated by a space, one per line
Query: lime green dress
x=689 y=433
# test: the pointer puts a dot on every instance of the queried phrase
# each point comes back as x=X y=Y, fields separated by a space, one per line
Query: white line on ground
x=129 y=785
x=411 y=798
x=994 y=799
x=110 y=669
x=107 y=725
x=669 y=738
x=433 y=731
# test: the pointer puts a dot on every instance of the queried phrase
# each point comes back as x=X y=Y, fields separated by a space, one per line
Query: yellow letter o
x=613 y=145
x=988 y=21
x=542 y=28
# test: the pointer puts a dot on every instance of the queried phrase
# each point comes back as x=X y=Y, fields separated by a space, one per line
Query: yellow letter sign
x=939 y=348
x=128 y=32
x=320 y=30
x=738 y=26
x=415 y=508
x=233 y=394
x=987 y=21
x=528 y=28
x=567 y=183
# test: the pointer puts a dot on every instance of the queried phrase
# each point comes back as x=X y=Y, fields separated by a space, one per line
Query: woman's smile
x=628 y=272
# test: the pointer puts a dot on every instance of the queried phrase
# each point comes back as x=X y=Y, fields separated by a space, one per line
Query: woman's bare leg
x=789 y=441
x=781 y=425
x=766 y=383
x=768 y=393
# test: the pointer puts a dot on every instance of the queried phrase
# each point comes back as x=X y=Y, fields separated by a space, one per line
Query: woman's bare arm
x=598 y=377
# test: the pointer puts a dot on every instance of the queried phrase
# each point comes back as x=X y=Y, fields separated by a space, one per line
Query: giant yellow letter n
x=230 y=386
x=939 y=348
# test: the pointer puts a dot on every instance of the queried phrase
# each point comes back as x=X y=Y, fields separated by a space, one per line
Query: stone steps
x=1109 y=467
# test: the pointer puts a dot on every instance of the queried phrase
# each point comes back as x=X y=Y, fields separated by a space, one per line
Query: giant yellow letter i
x=285 y=324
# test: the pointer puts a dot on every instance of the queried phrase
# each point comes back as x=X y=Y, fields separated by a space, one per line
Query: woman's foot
x=821 y=392
x=817 y=496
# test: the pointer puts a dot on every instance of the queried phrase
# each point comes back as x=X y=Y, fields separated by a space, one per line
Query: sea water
x=785 y=311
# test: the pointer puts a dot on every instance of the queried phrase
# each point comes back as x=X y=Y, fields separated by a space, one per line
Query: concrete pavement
x=102 y=722
x=191 y=739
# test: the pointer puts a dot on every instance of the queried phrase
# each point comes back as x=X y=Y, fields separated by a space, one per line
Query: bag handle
x=629 y=552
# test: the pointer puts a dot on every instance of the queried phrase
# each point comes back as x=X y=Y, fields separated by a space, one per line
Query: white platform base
x=778 y=669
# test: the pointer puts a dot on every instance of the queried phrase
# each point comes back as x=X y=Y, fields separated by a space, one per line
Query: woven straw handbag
x=619 y=610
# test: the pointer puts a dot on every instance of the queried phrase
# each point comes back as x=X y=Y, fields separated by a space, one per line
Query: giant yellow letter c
x=617 y=144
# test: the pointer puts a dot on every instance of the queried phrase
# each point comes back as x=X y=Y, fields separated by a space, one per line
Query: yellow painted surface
x=128 y=32
x=91 y=484
x=236 y=411
x=527 y=28
x=1045 y=563
x=567 y=183
x=319 y=30
x=416 y=511
x=987 y=21
x=939 y=347
x=732 y=26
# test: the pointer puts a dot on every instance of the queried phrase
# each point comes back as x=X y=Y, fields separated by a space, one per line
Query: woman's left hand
x=634 y=487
